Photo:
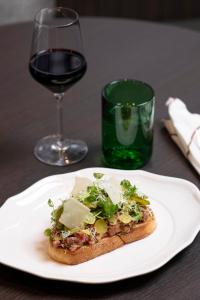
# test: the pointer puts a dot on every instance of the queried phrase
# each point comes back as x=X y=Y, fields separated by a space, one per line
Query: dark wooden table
x=169 y=59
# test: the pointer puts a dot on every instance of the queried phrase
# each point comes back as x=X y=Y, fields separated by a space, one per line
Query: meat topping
x=77 y=240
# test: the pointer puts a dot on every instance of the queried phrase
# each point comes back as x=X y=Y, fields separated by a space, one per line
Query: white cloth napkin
x=184 y=129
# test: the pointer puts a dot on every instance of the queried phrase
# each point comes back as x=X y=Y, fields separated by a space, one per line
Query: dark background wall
x=140 y=9
x=184 y=13
x=13 y=11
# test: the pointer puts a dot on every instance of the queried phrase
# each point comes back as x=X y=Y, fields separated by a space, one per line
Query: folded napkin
x=184 y=129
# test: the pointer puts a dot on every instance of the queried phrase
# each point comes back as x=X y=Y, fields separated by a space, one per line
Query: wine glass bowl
x=57 y=62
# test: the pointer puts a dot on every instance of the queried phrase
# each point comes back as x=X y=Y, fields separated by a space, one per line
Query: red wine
x=57 y=69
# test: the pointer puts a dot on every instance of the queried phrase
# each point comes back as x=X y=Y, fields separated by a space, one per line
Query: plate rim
x=44 y=180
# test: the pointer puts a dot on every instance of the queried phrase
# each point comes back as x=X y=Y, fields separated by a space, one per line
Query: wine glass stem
x=59 y=98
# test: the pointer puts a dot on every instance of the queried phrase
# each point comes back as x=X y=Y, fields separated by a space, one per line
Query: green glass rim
x=151 y=99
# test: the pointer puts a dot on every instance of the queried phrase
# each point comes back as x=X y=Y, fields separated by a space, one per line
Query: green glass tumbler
x=127 y=123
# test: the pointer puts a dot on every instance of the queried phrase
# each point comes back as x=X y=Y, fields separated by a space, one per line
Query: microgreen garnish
x=56 y=213
x=47 y=232
x=128 y=189
x=98 y=175
x=103 y=207
x=50 y=203
x=108 y=209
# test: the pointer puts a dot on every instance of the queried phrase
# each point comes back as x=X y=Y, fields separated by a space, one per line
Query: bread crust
x=139 y=231
x=105 y=245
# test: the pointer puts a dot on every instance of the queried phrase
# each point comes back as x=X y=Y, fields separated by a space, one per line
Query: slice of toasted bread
x=139 y=231
x=85 y=252
x=105 y=245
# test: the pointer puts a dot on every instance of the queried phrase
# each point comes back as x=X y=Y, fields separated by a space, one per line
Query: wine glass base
x=50 y=150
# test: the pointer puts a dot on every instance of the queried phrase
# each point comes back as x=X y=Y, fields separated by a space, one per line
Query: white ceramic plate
x=23 y=218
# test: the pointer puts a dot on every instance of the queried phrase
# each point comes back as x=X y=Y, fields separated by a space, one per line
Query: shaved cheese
x=113 y=189
x=74 y=213
x=81 y=184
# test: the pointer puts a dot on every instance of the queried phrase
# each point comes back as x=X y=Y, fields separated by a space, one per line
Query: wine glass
x=57 y=62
